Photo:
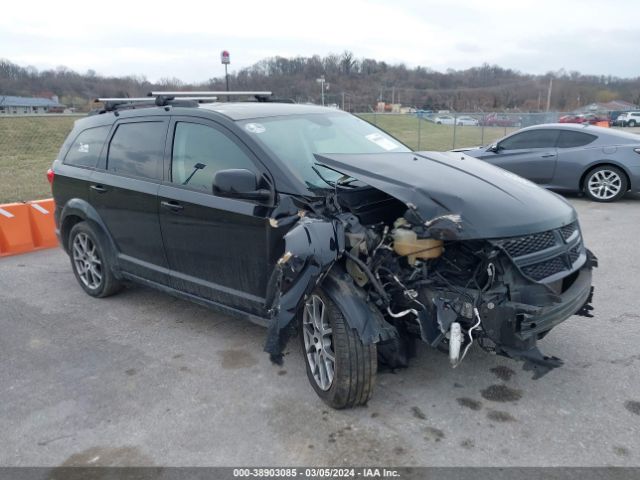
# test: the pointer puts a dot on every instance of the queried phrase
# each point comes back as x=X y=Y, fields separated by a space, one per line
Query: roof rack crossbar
x=216 y=93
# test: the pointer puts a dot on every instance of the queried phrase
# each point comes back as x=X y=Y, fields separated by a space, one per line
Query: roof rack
x=182 y=99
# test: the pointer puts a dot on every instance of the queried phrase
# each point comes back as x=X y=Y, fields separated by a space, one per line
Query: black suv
x=308 y=219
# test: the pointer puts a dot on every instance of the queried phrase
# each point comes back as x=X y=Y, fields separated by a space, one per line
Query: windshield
x=294 y=139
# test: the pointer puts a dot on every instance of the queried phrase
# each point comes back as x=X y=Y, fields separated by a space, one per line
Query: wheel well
x=67 y=225
x=604 y=164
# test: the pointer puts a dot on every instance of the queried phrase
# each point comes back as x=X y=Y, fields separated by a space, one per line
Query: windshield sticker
x=83 y=148
x=382 y=142
x=254 y=127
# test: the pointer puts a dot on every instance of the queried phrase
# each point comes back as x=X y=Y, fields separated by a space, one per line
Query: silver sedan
x=601 y=162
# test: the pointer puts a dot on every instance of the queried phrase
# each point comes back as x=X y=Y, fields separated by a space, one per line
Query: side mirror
x=239 y=183
x=493 y=148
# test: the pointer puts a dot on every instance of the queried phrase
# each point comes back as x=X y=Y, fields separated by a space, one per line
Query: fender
x=83 y=209
x=352 y=301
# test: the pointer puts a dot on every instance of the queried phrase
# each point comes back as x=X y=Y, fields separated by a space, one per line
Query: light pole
x=321 y=82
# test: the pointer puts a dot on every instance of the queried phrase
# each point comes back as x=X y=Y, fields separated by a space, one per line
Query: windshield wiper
x=328 y=182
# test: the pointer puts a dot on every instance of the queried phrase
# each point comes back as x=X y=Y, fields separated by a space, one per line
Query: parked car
x=500 y=120
x=444 y=120
x=629 y=119
x=583 y=118
x=602 y=163
x=466 y=120
x=306 y=218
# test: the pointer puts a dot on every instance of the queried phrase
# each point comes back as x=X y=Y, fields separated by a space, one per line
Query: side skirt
x=217 y=307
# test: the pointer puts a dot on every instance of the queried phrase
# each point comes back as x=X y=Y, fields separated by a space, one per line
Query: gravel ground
x=145 y=379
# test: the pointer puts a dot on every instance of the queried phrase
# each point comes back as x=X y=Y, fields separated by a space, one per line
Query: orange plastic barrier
x=602 y=124
x=25 y=227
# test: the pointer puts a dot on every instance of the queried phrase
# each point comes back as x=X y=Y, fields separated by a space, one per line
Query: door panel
x=217 y=248
x=532 y=154
x=124 y=192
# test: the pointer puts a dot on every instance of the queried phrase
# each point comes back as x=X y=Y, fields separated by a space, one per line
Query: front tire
x=89 y=262
x=605 y=184
x=632 y=123
x=340 y=368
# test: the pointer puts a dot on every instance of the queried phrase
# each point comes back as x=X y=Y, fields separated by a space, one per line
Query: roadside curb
x=25 y=227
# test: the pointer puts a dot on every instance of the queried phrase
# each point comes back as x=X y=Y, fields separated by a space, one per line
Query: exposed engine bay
x=403 y=277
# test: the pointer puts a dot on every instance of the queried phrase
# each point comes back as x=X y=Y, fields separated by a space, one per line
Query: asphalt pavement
x=142 y=378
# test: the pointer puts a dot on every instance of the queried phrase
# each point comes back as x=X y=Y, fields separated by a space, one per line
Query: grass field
x=420 y=134
x=28 y=145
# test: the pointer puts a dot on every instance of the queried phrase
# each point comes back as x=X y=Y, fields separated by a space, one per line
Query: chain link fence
x=29 y=143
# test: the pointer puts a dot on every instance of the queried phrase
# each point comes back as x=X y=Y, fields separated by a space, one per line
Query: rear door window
x=86 y=148
x=570 y=139
x=531 y=139
x=136 y=149
x=199 y=151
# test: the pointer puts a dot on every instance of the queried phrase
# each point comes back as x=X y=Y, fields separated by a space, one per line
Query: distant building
x=606 y=107
x=22 y=105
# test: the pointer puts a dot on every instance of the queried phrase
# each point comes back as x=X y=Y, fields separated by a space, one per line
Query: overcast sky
x=184 y=38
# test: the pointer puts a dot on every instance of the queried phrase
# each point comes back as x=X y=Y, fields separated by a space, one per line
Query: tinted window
x=136 y=149
x=530 y=139
x=569 y=139
x=195 y=144
x=86 y=148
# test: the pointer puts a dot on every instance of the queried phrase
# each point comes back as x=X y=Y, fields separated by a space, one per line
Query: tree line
x=355 y=83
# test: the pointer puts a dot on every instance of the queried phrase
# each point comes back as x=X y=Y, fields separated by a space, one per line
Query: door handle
x=98 y=188
x=172 y=205
x=547 y=155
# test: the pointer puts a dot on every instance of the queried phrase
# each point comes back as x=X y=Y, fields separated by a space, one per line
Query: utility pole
x=549 y=93
x=321 y=82
x=393 y=95
x=343 y=101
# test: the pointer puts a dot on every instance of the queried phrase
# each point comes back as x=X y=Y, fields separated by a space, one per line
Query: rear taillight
x=50 y=176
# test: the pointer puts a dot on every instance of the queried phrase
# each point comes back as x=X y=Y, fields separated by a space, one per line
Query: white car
x=444 y=120
x=629 y=119
x=467 y=120
x=460 y=121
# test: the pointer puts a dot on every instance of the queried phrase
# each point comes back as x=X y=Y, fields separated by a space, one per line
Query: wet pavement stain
x=107 y=456
x=468 y=443
x=633 y=406
x=434 y=434
x=375 y=414
x=185 y=369
x=620 y=451
x=499 y=416
x=399 y=451
x=178 y=355
x=282 y=372
x=501 y=393
x=235 y=359
x=469 y=403
x=503 y=373
x=131 y=372
x=417 y=413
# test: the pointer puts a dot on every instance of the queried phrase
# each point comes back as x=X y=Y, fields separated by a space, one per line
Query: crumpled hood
x=492 y=202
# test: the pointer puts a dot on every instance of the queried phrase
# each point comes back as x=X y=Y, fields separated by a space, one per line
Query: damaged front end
x=400 y=275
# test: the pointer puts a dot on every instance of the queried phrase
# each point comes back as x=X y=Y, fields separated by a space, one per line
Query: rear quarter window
x=569 y=139
x=85 y=149
x=136 y=149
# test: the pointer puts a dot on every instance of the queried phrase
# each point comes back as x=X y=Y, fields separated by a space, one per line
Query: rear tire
x=632 y=123
x=605 y=184
x=348 y=380
x=89 y=262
